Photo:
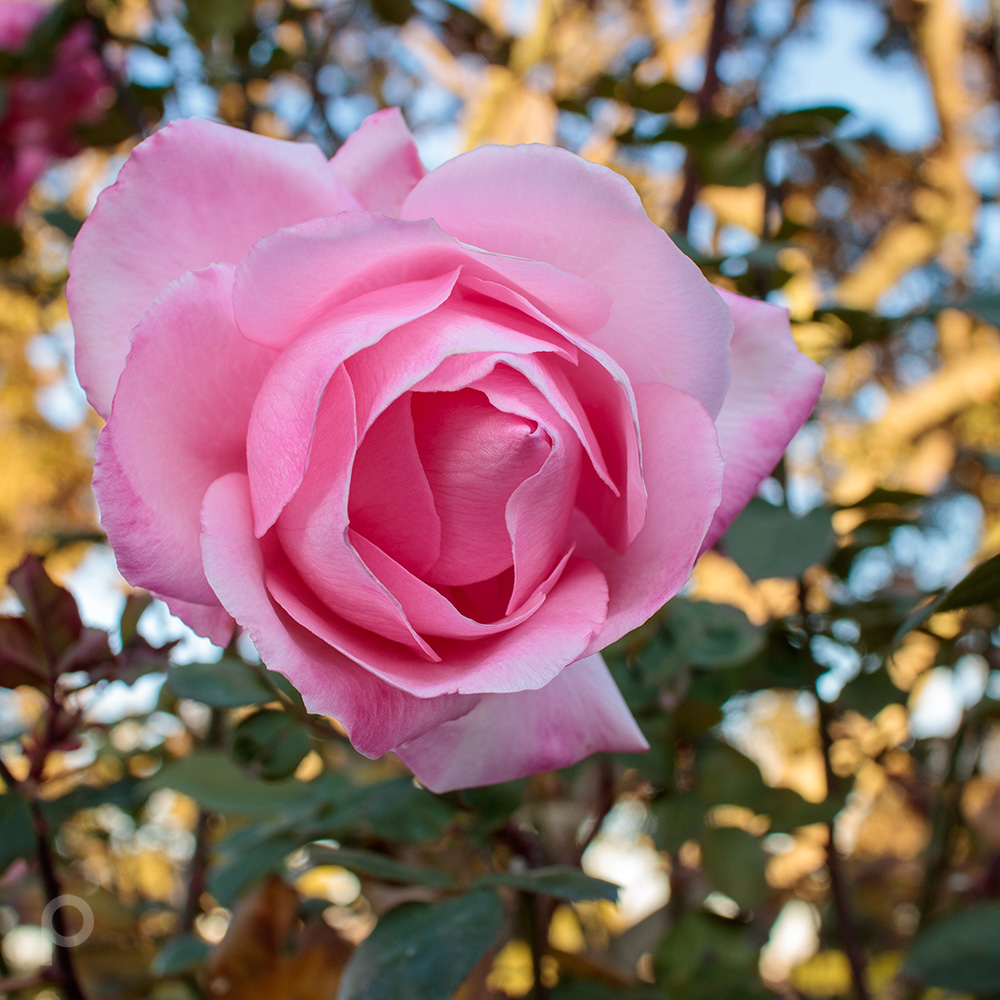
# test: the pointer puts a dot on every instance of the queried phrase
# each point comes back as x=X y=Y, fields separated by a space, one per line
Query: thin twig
x=947 y=818
x=705 y=99
x=197 y=876
x=53 y=888
x=849 y=937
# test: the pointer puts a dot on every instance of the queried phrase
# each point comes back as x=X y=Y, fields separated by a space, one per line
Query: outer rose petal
x=682 y=469
x=379 y=163
x=168 y=440
x=215 y=624
x=376 y=715
x=194 y=194
x=508 y=736
x=666 y=323
x=773 y=391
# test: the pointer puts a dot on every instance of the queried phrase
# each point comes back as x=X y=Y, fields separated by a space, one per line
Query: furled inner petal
x=313 y=528
x=474 y=456
x=391 y=504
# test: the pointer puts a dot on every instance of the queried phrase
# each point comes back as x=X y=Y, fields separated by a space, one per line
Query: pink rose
x=434 y=439
x=39 y=113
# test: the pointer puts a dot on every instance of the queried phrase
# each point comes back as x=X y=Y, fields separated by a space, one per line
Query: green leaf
x=959 y=952
x=229 y=683
x=986 y=305
x=679 y=817
x=392 y=810
x=17 y=832
x=734 y=862
x=217 y=784
x=421 y=951
x=62 y=220
x=712 y=635
x=768 y=541
x=180 y=954
x=980 y=585
x=379 y=866
x=272 y=742
x=805 y=122
x=707 y=957
x=11 y=241
x=560 y=881
x=241 y=866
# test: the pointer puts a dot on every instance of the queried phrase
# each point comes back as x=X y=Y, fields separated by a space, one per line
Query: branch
x=847 y=928
x=53 y=888
x=197 y=878
x=705 y=99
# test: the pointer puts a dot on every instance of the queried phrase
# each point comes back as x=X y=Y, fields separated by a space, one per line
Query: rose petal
x=475 y=456
x=167 y=440
x=508 y=736
x=379 y=163
x=295 y=276
x=193 y=194
x=682 y=468
x=774 y=389
x=526 y=657
x=376 y=715
x=212 y=623
x=313 y=528
x=666 y=322
x=431 y=613
x=390 y=502
x=289 y=400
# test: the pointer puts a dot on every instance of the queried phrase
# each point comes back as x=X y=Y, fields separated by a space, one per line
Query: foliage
x=805 y=823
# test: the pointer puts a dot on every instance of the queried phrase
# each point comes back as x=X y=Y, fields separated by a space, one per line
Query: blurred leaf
x=48 y=608
x=21 y=658
x=734 y=862
x=11 y=241
x=768 y=541
x=959 y=952
x=880 y=496
x=379 y=866
x=422 y=951
x=657 y=98
x=67 y=224
x=560 y=881
x=394 y=11
x=240 y=867
x=206 y=18
x=980 y=585
x=712 y=635
x=986 y=305
x=135 y=606
x=805 y=122
x=394 y=810
x=707 y=957
x=180 y=954
x=17 y=833
x=216 y=783
x=580 y=989
x=679 y=817
x=272 y=742
x=229 y=683
x=870 y=692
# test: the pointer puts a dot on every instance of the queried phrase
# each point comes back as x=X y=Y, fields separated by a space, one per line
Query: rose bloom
x=433 y=440
x=38 y=114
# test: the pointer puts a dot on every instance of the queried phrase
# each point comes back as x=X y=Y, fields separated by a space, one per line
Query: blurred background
x=819 y=815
